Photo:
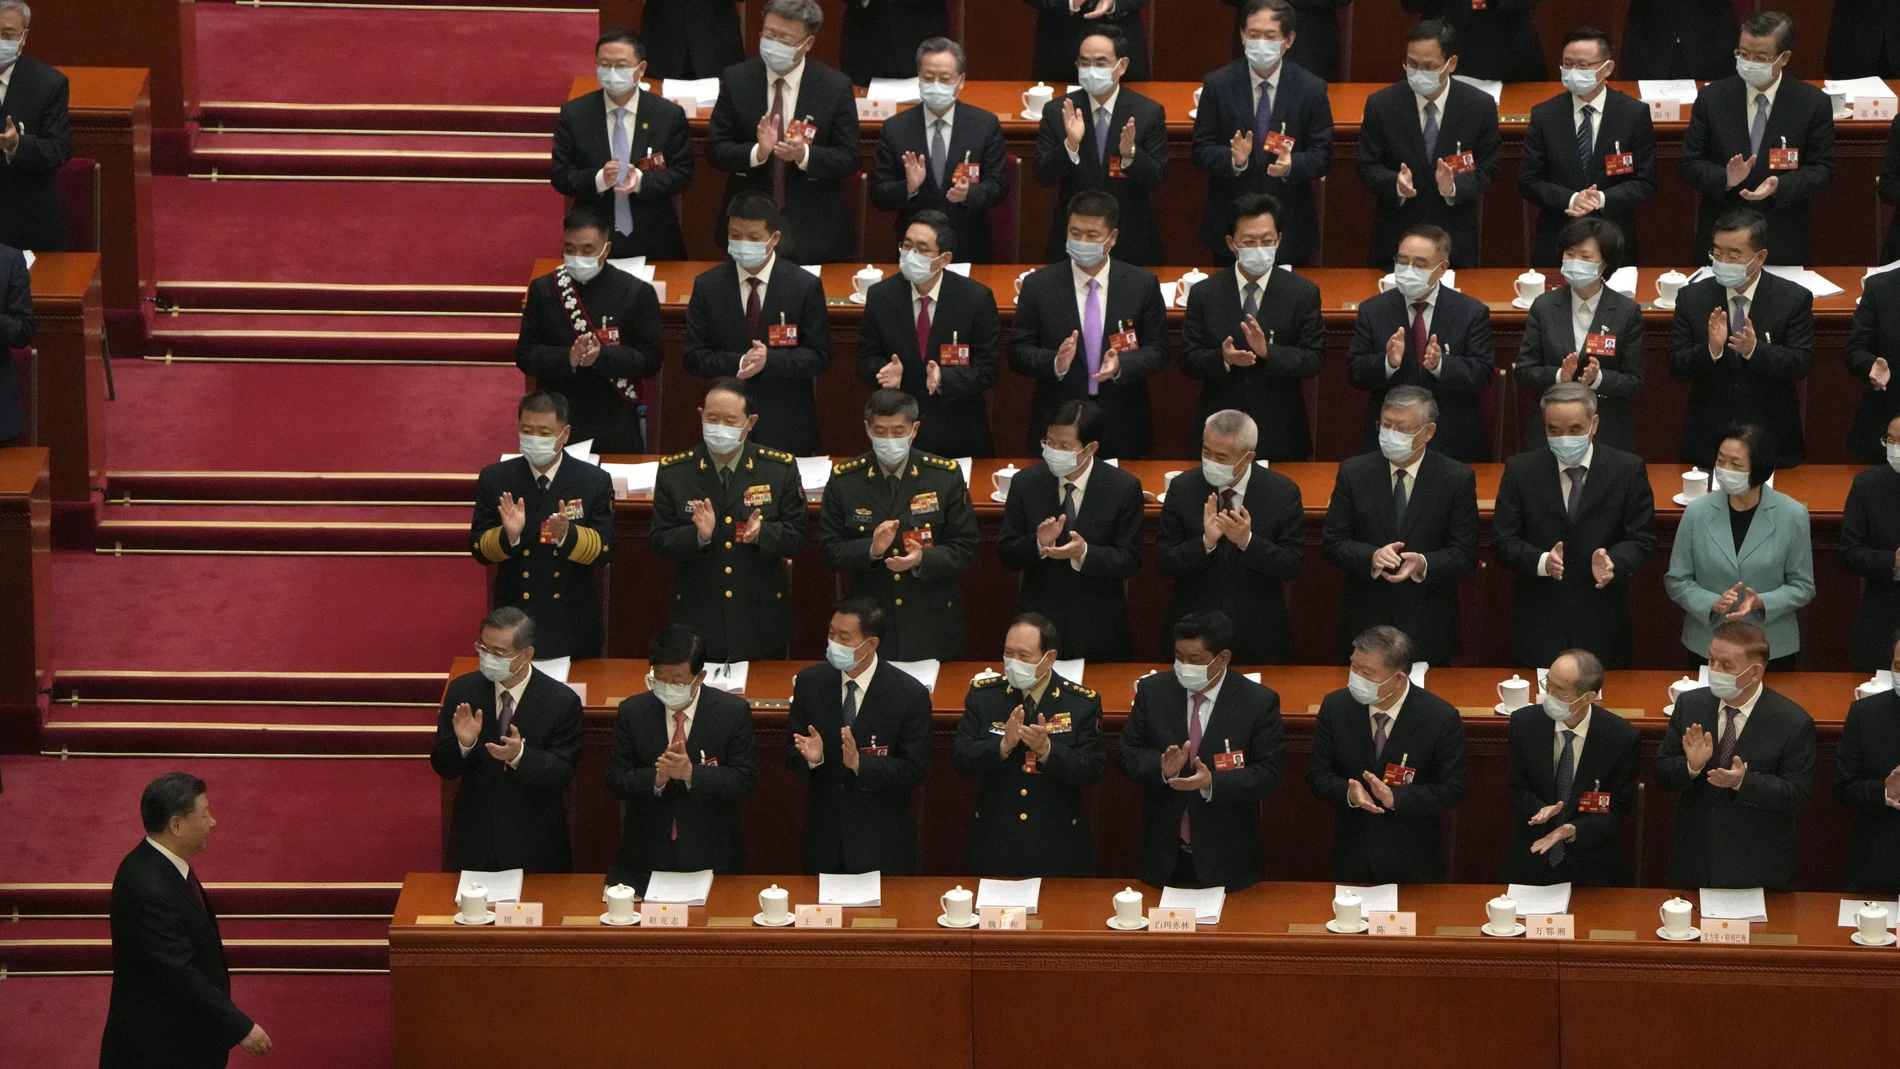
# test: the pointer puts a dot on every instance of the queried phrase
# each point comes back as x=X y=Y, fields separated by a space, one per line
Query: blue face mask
x=840 y=656
x=1256 y=262
x=1262 y=55
x=1581 y=273
x=1731 y=276
x=890 y=451
x=777 y=55
x=747 y=254
x=618 y=81
x=9 y=51
x=936 y=95
x=1095 y=81
x=1087 y=254
x=1569 y=448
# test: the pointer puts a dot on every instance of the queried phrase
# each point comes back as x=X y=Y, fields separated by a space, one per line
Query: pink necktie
x=923 y=329
x=1194 y=749
x=679 y=739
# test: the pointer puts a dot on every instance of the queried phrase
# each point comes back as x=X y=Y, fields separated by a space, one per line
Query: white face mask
x=1256 y=261
x=539 y=451
x=1363 y=690
x=916 y=268
x=1725 y=686
x=747 y=254
x=1557 y=709
x=1733 y=276
x=890 y=451
x=1581 y=273
x=1569 y=448
x=496 y=668
x=842 y=657
x=674 y=696
x=1731 y=482
x=1396 y=445
x=777 y=55
x=1021 y=674
x=584 y=268
x=618 y=81
x=1219 y=476
x=1096 y=81
x=1424 y=83
x=1893 y=456
x=1413 y=281
x=721 y=439
x=1262 y=55
x=1757 y=74
x=1582 y=82
x=1192 y=677
x=937 y=96
x=1061 y=461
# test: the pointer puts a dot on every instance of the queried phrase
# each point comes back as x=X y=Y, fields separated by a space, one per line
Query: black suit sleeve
x=890 y=190
x=1468 y=364
x=737 y=771
x=1787 y=787
x=1052 y=143
x=569 y=173
x=446 y=756
x=1029 y=353
x=677 y=173
x=1788 y=353
x=1672 y=766
x=628 y=778
x=1151 y=331
x=1179 y=549
x=1706 y=176
x=703 y=357
x=728 y=143
x=1508 y=544
x=1531 y=180
x=1150 y=164
x=1119 y=555
x=1626 y=378
x=1859 y=784
x=1525 y=802
x=548 y=764
x=812 y=355
x=986 y=326
x=1375 y=148
x=1817 y=163
x=160 y=943
x=1596 y=828
x=1016 y=540
x=1538 y=357
x=1629 y=194
x=1343 y=551
x=1365 y=360
x=47 y=148
x=1471 y=185
x=993 y=184
x=798 y=722
x=1321 y=777
x=1636 y=539
x=1446 y=788
x=1278 y=542
x=1859 y=553
x=1460 y=552
x=1863 y=338
x=1302 y=357
x=1140 y=746
x=903 y=768
x=1266 y=750
x=835 y=155
x=1888 y=185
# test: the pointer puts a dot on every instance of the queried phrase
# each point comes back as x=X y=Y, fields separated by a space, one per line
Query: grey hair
x=805 y=11
x=1233 y=423
x=1570 y=393
x=513 y=620
x=940 y=44
x=26 y=13
x=1407 y=396
x=1393 y=647
x=1589 y=670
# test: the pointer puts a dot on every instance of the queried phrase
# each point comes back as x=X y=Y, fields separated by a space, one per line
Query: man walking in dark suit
x=16 y=332
x=570 y=504
x=1499 y=41
x=786 y=126
x=1419 y=333
x=1575 y=521
x=512 y=736
x=625 y=154
x=1092 y=327
x=592 y=332
x=1231 y=534
x=1206 y=746
x=1033 y=742
x=728 y=513
x=1072 y=526
x=692 y=38
x=1586 y=332
x=1402 y=524
x=1744 y=339
x=1412 y=146
x=1867 y=781
x=1742 y=758
x=1874 y=337
x=1389 y=757
x=171 y=992
x=1870 y=548
x=1062 y=24
x=1589 y=152
x=35 y=140
x=1759 y=140
x=859 y=733
x=1107 y=137
x=1678 y=39
x=1263 y=127
x=1573 y=780
x=1254 y=336
x=932 y=333
x=682 y=762
x=943 y=156
x=737 y=324
x=881 y=35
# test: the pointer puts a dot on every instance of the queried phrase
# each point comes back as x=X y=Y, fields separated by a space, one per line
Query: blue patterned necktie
x=1431 y=130
x=1759 y=130
x=1101 y=133
x=1586 y=139
x=1263 y=115
x=1566 y=778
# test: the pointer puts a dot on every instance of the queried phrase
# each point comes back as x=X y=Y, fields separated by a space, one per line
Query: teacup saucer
x=944 y=920
x=459 y=919
x=1866 y=942
x=1333 y=926
x=1681 y=500
x=856 y=297
x=999 y=497
x=759 y=919
x=1032 y=116
x=608 y=919
x=1694 y=934
x=1520 y=304
x=1140 y=923
x=1161 y=498
x=1502 y=709
x=1516 y=930
x=1662 y=305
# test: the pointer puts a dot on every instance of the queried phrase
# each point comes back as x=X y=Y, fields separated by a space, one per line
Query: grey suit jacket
x=1775 y=561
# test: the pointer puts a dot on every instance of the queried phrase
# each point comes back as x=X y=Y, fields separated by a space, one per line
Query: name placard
x=1876 y=108
x=1550 y=926
x=1171 y=920
x=518 y=915
x=810 y=916
x=662 y=915
x=1724 y=931
x=1392 y=923
x=1003 y=919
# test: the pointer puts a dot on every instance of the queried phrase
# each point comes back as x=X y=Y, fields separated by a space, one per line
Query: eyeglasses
x=1583 y=65
x=616 y=66
x=1099 y=63
x=1731 y=257
x=784 y=39
x=1257 y=243
x=1410 y=66
x=906 y=246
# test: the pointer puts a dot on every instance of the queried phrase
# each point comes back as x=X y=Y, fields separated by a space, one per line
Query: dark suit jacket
x=1463 y=328
x=1864 y=41
x=1607 y=762
x=597 y=407
x=880 y=37
x=1763 y=389
x=1391 y=135
x=1441 y=522
x=1743 y=837
x=691 y=38
x=1552 y=172
x=171 y=993
x=1301 y=107
x=1038 y=822
x=581 y=149
x=552 y=583
x=1888 y=187
x=860 y=821
x=1496 y=40
x=1869 y=750
x=1548 y=338
x=1679 y=39
x=1316 y=48
x=511 y=818
x=1244 y=584
x=16 y=332
x=719 y=744
x=956 y=419
x=1059 y=33
x=30 y=216
x=1226 y=825
x=1400 y=844
x=1046 y=314
x=1870 y=530
x=783 y=394
x=817 y=217
x=1616 y=513
x=1801 y=118
x=975 y=134
x=1273 y=389
x=1139 y=241
x=1090 y=606
x=1875 y=333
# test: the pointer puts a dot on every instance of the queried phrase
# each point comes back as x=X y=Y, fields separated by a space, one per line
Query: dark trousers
x=1184 y=874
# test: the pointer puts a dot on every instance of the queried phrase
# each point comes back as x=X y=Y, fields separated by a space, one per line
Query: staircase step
x=233 y=899
x=308 y=161
x=238 y=512
x=489 y=118
x=63 y=946
x=282 y=536
x=456 y=488
x=371 y=142
x=241 y=686
x=377 y=343
x=264 y=730
x=340 y=296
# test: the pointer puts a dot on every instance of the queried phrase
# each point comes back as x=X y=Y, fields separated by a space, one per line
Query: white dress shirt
x=1577 y=104
x=1272 y=82
x=1583 y=313
x=515 y=692
x=601 y=183
x=1080 y=480
x=1743 y=710
x=1576 y=746
x=1748 y=108
x=1241 y=282
x=1411 y=490
x=1563 y=494
x=1746 y=293
x=763 y=274
x=672 y=716
x=793 y=79
x=178 y=863
x=1431 y=313
x=917 y=304
x=1088 y=126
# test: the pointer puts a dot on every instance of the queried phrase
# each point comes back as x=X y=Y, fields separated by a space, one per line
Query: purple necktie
x=507 y=714
x=1380 y=720
x=1262 y=116
x=1194 y=749
x=623 y=155
x=1092 y=334
x=1576 y=489
x=1725 y=746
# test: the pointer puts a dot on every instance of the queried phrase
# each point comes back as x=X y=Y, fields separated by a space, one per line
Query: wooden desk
x=70 y=391
x=26 y=589
x=969 y=998
x=112 y=123
x=1296 y=827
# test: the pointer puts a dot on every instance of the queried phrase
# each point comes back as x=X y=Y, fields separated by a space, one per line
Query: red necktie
x=1194 y=749
x=923 y=329
x=778 y=120
x=752 y=310
x=1421 y=336
x=679 y=739
x=197 y=890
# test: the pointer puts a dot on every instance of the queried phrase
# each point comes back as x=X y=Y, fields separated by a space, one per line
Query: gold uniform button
x=728 y=569
x=1072 y=822
x=728 y=593
x=1022 y=816
x=728 y=519
x=525 y=553
x=898 y=601
x=780 y=595
x=557 y=595
x=728 y=545
x=897 y=578
x=1025 y=792
x=524 y=595
x=524 y=575
x=557 y=575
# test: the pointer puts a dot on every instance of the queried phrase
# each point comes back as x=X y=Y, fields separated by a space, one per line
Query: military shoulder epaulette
x=940 y=462
x=781 y=457
x=847 y=465
x=1078 y=688
x=987 y=681
x=667 y=462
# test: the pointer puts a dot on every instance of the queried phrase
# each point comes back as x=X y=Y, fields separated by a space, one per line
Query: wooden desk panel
x=70 y=394
x=26 y=589
x=112 y=123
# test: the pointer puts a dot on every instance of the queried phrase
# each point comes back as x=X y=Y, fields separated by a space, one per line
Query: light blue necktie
x=1760 y=129
x=1431 y=130
x=1101 y=133
x=623 y=151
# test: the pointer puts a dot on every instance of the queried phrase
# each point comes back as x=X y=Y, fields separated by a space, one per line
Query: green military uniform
x=1030 y=819
x=922 y=619
x=733 y=592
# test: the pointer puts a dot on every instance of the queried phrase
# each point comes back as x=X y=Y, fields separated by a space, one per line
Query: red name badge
x=709 y=762
x=918 y=538
x=1115 y=165
x=874 y=750
x=966 y=172
x=1230 y=760
x=1277 y=142
x=1123 y=342
x=1399 y=775
x=1784 y=159
x=655 y=162
x=1619 y=163
x=607 y=335
x=801 y=130
x=1029 y=762
x=779 y=335
x=1478 y=5
x=953 y=355
x=1593 y=802
x=1461 y=162
x=1599 y=345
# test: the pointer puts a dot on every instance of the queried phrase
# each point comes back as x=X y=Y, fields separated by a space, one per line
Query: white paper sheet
x=704 y=90
x=1531 y=898
x=1379 y=898
x=815 y=270
x=28 y=253
x=1681 y=89
x=1170 y=292
x=503 y=886
x=1020 y=893
x=555 y=668
x=1417 y=674
x=959 y=269
x=1882 y=269
x=1733 y=904
x=1071 y=670
x=1112 y=462
x=583 y=451
x=1859 y=88
x=850 y=889
x=728 y=677
x=1255 y=676
x=924 y=672
x=639 y=477
x=965 y=463
x=1206 y=902
x=680 y=888
x=895 y=90
x=629 y=264
x=1623 y=281
x=1496 y=89
x=1815 y=282
x=1851 y=906
x=814 y=473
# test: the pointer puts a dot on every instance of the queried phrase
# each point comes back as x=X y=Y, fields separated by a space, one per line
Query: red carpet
x=315 y=1022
